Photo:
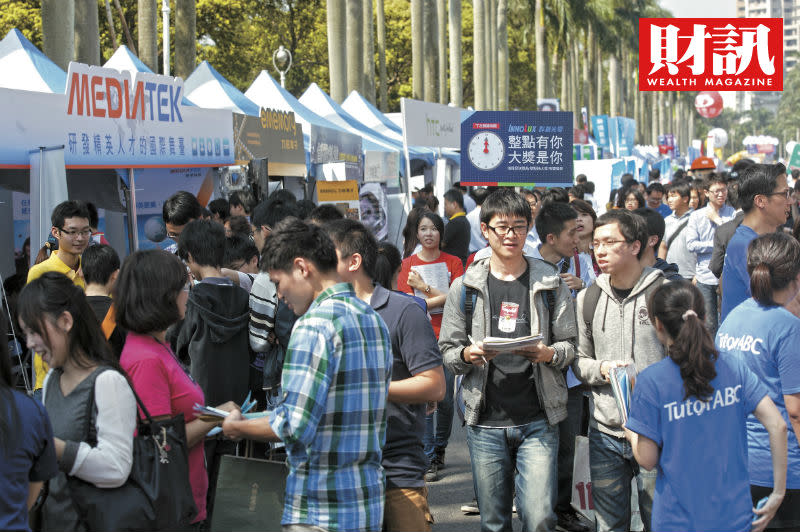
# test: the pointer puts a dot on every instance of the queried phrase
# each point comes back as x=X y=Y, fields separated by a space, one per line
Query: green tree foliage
x=25 y=15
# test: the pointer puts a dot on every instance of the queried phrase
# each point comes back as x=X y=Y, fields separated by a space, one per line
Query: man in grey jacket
x=514 y=399
x=618 y=333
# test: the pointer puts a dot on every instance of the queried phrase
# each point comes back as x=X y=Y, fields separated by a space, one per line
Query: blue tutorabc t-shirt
x=735 y=279
x=767 y=340
x=703 y=464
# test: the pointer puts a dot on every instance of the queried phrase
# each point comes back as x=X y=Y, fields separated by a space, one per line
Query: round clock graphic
x=485 y=150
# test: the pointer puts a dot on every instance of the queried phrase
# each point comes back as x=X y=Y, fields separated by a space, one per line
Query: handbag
x=157 y=494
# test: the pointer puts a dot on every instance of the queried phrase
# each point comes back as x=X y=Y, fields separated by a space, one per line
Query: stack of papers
x=623 y=379
x=491 y=343
x=209 y=413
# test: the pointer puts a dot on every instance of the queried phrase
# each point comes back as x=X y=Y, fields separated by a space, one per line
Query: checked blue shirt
x=332 y=416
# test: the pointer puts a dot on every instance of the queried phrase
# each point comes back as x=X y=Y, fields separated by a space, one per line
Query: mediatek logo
x=696 y=54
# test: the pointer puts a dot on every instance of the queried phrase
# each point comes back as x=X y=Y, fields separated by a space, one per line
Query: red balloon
x=708 y=104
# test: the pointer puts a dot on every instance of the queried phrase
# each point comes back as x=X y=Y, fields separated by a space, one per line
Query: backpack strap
x=677 y=232
x=469 y=297
x=590 y=300
x=109 y=322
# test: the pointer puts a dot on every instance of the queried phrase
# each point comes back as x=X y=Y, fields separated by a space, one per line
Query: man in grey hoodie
x=618 y=333
x=514 y=400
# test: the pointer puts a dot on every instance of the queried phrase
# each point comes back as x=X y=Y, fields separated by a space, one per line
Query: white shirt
x=107 y=465
x=476 y=240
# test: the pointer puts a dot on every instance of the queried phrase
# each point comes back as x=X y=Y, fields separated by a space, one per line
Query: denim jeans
x=567 y=430
x=709 y=292
x=612 y=468
x=439 y=424
x=525 y=454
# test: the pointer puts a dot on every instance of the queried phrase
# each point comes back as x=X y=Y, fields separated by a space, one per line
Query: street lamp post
x=282 y=60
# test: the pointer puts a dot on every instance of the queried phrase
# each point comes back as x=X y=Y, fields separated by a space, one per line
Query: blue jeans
x=525 y=454
x=612 y=468
x=709 y=292
x=439 y=424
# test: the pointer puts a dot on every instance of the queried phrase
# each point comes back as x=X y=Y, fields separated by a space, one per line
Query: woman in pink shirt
x=151 y=295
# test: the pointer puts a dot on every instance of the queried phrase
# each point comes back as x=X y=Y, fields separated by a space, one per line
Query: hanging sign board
x=276 y=136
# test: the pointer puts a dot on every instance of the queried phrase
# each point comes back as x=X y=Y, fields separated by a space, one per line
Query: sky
x=703 y=8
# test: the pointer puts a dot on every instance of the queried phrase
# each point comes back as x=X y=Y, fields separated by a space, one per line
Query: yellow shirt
x=52 y=264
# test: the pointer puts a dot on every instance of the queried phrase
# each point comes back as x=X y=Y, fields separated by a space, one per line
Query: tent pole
x=133 y=226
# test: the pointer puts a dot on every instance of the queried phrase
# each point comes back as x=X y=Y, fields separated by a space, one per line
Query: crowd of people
x=360 y=354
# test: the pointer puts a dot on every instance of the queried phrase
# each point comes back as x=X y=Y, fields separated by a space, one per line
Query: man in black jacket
x=455 y=240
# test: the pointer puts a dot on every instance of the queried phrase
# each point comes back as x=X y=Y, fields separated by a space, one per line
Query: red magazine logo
x=697 y=54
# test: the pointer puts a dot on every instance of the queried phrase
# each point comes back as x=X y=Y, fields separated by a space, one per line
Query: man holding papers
x=515 y=397
x=618 y=331
x=336 y=374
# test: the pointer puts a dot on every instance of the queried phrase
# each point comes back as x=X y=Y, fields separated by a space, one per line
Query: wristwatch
x=428 y=289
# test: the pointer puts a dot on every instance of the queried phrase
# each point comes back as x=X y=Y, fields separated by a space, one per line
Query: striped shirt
x=332 y=415
x=263 y=303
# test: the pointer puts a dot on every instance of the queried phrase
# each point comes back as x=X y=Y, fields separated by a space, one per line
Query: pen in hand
x=486 y=362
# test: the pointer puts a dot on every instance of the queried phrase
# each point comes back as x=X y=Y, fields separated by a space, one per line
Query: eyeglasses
x=85 y=233
x=785 y=193
x=504 y=230
x=597 y=244
x=173 y=235
x=718 y=192
x=533 y=203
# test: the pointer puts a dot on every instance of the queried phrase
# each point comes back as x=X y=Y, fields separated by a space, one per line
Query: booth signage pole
x=133 y=225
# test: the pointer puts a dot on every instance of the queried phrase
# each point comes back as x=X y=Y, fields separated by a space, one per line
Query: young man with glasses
x=703 y=223
x=619 y=333
x=179 y=209
x=766 y=199
x=70 y=228
x=514 y=399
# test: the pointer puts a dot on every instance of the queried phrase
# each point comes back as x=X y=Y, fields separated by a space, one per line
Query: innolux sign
x=696 y=54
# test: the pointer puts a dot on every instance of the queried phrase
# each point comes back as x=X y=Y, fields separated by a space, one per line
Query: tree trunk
x=110 y=20
x=87 y=32
x=381 y=23
x=491 y=50
x=690 y=120
x=502 y=56
x=58 y=31
x=369 y=52
x=575 y=84
x=148 y=33
x=417 y=44
x=653 y=111
x=355 y=47
x=126 y=29
x=588 y=73
x=613 y=84
x=599 y=79
x=565 y=100
x=185 y=37
x=662 y=113
x=637 y=113
x=441 y=20
x=431 y=54
x=337 y=58
x=454 y=20
x=479 y=53
x=624 y=108
x=541 y=62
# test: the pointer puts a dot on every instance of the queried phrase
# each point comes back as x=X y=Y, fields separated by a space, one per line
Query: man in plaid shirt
x=336 y=374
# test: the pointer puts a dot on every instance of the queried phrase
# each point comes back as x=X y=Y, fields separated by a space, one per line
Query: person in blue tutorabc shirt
x=688 y=417
x=766 y=336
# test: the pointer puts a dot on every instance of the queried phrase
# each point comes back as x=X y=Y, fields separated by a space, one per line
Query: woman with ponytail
x=766 y=336
x=688 y=416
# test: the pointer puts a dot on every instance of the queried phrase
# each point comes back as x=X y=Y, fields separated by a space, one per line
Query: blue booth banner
x=510 y=148
x=600 y=130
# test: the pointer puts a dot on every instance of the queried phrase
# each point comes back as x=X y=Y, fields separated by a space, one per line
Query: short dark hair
x=627 y=192
x=220 y=207
x=773 y=262
x=632 y=226
x=654 y=222
x=479 y=194
x=555 y=194
x=326 y=212
x=281 y=194
x=68 y=209
x=655 y=187
x=271 y=212
x=244 y=200
x=239 y=225
x=293 y=238
x=238 y=248
x=98 y=262
x=351 y=237
x=713 y=177
x=740 y=168
x=455 y=195
x=305 y=208
x=205 y=240
x=146 y=292
x=505 y=201
x=580 y=178
x=578 y=191
x=552 y=217
x=94 y=216
x=681 y=188
x=583 y=206
x=387 y=263
x=758 y=179
x=181 y=208
x=437 y=222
